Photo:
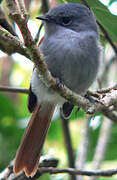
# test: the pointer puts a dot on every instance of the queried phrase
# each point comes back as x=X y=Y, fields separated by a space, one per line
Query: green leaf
x=76 y=114
x=55 y=131
x=108 y=21
x=7 y=108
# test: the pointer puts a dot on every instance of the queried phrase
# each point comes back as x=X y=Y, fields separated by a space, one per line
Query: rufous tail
x=28 y=154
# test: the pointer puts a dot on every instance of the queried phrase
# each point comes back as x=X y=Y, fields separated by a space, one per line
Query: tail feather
x=28 y=154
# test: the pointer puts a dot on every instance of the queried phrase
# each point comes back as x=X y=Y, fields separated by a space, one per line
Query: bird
x=72 y=53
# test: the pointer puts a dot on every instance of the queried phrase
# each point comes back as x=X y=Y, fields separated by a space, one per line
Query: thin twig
x=5 y=23
x=106 y=126
x=38 y=33
x=68 y=143
x=45 y=6
x=51 y=170
x=8 y=174
x=107 y=37
x=105 y=173
x=11 y=44
x=106 y=90
x=85 y=3
x=14 y=90
x=22 y=7
x=109 y=114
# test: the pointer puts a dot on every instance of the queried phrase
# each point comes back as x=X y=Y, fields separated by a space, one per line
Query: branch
x=106 y=126
x=106 y=90
x=11 y=44
x=38 y=59
x=53 y=170
x=68 y=144
x=105 y=173
x=111 y=115
x=102 y=144
x=8 y=174
x=107 y=37
x=68 y=141
x=45 y=6
x=5 y=24
x=14 y=90
x=106 y=112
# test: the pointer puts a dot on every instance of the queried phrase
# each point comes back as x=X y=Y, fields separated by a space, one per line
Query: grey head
x=73 y=16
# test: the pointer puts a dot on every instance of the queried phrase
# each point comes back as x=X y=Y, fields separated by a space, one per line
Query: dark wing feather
x=32 y=100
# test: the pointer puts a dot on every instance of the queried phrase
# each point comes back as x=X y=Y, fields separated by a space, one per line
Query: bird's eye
x=65 y=21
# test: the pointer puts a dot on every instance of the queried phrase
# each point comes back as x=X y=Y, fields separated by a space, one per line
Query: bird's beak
x=43 y=18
